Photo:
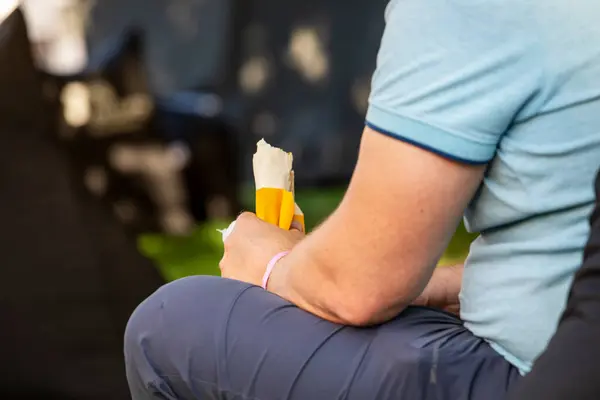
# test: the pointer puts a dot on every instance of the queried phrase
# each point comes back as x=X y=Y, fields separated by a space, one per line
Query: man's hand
x=251 y=246
x=443 y=289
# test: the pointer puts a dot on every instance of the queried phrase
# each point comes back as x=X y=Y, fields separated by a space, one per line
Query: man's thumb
x=296 y=226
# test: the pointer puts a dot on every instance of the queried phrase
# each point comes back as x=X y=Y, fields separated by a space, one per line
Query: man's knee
x=175 y=323
x=177 y=300
x=182 y=309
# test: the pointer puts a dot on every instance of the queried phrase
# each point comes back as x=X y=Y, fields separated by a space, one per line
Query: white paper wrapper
x=226 y=232
x=272 y=167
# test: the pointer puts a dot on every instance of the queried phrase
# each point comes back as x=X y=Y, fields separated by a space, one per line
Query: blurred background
x=160 y=104
x=127 y=129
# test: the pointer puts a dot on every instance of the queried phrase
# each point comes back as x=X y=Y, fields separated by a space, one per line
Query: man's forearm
x=321 y=276
x=378 y=250
x=299 y=279
x=318 y=295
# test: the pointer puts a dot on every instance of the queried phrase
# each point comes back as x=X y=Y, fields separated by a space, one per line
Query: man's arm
x=377 y=251
x=443 y=90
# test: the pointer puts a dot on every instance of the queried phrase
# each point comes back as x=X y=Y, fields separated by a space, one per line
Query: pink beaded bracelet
x=270 y=267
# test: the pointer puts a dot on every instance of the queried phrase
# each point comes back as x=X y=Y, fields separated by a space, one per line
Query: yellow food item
x=274 y=179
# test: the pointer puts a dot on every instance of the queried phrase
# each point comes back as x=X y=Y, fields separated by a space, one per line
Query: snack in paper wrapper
x=274 y=180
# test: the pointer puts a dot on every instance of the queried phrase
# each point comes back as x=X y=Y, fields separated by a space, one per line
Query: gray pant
x=212 y=338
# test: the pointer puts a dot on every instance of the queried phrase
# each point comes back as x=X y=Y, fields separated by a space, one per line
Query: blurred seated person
x=568 y=368
x=70 y=274
x=487 y=109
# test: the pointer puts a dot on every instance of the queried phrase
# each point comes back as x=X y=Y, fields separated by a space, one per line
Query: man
x=489 y=108
x=568 y=369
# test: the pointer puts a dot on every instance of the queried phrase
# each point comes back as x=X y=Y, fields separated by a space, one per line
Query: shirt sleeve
x=453 y=76
x=568 y=368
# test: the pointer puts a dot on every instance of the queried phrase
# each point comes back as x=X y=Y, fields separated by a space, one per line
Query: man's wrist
x=276 y=283
x=271 y=266
x=281 y=284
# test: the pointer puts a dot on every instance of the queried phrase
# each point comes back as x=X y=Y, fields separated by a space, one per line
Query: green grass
x=199 y=253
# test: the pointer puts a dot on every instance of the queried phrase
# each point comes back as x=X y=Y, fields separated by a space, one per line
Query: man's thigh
x=206 y=337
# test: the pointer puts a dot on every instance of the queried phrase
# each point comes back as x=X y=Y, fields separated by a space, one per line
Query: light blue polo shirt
x=515 y=84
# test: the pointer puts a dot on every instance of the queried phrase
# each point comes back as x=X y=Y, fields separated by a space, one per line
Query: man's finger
x=296 y=226
x=247 y=216
x=222 y=263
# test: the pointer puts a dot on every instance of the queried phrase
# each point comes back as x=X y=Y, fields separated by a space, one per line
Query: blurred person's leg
x=70 y=276
x=568 y=369
x=212 y=338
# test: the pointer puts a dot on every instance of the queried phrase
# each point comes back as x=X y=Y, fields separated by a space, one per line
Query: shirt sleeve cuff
x=430 y=138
